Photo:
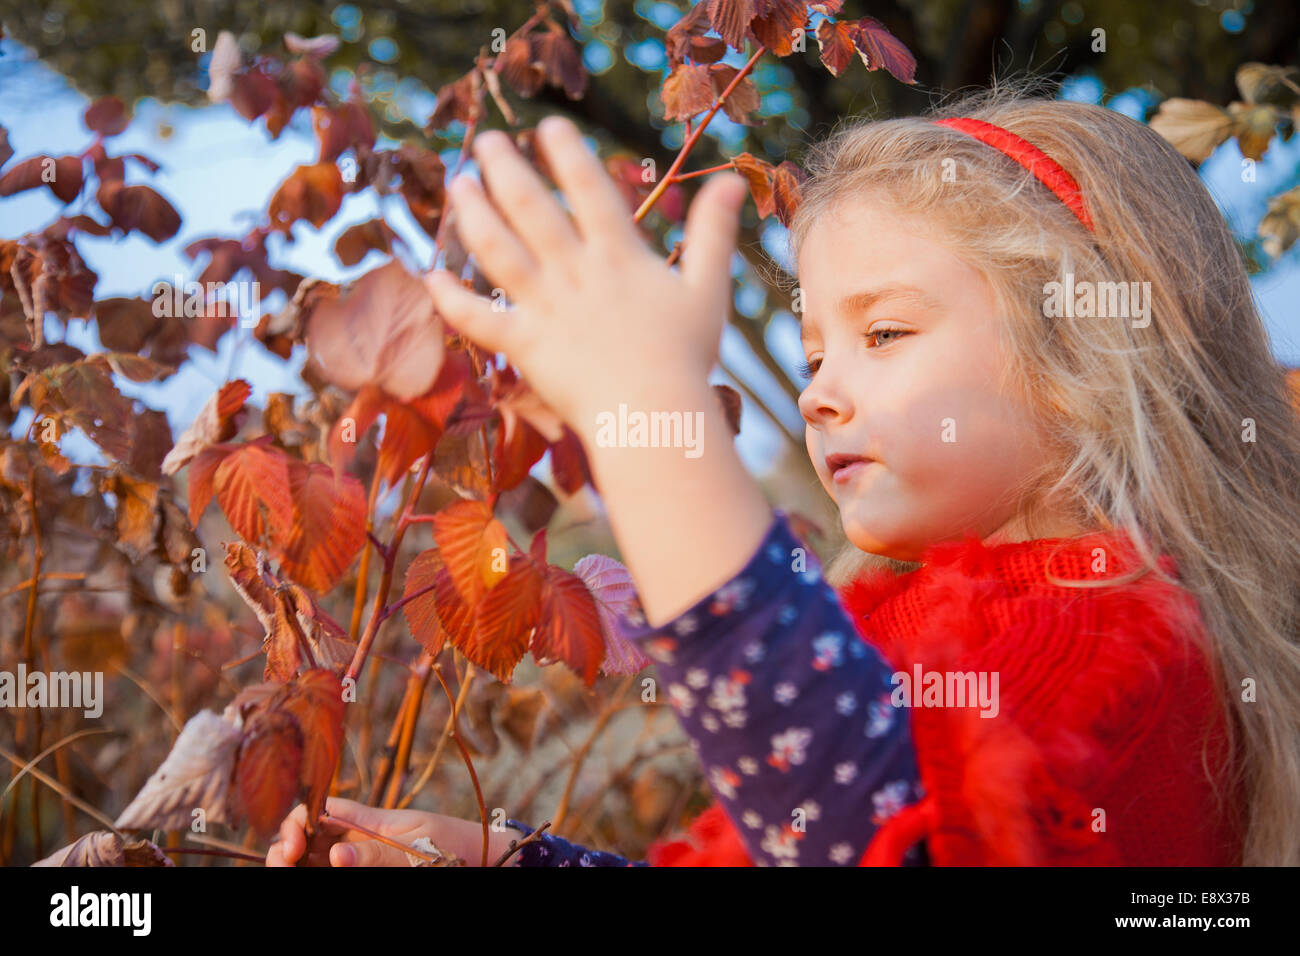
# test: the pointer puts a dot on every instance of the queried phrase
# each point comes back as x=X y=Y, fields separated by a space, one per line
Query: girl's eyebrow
x=863 y=300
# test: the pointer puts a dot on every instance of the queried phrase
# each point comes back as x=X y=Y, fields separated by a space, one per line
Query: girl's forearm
x=685 y=525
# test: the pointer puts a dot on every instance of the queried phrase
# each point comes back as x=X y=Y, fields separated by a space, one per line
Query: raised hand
x=597 y=316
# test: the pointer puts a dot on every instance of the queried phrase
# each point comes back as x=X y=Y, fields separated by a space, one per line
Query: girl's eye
x=807 y=370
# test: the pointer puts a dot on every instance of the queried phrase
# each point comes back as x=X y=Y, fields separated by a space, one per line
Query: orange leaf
x=473 y=547
x=217 y=421
x=422 y=613
x=316 y=700
x=505 y=620
x=312 y=192
x=327 y=526
x=686 y=92
x=569 y=627
x=252 y=485
x=267 y=768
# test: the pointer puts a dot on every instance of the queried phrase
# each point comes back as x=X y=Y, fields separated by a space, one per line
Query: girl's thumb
x=711 y=227
x=367 y=853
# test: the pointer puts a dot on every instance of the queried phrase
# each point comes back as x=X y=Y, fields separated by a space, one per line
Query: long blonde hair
x=1180 y=433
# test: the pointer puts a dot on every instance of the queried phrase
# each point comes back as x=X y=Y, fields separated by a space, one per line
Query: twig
x=517 y=845
x=612 y=707
x=694 y=137
x=61 y=791
x=478 y=791
x=328 y=818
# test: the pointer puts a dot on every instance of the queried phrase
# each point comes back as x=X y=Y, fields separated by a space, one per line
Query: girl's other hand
x=598 y=316
x=338 y=846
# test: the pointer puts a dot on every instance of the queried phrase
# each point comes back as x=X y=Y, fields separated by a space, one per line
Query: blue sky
x=219 y=172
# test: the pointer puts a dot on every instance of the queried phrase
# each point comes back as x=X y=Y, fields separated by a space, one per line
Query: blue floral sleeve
x=788 y=710
x=550 y=850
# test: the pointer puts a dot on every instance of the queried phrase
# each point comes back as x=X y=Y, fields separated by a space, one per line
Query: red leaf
x=879 y=47
x=505 y=620
x=311 y=192
x=473 y=545
x=687 y=91
x=731 y=19
x=569 y=463
x=327 y=527
x=315 y=698
x=252 y=485
x=422 y=613
x=835 y=40
x=569 y=628
x=776 y=29
x=216 y=422
x=106 y=116
x=759 y=176
x=139 y=208
x=616 y=597
x=65 y=182
x=267 y=768
x=537 y=547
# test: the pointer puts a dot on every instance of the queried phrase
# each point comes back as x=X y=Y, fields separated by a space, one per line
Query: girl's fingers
x=710 y=234
x=598 y=206
x=505 y=260
x=367 y=853
x=470 y=314
x=522 y=198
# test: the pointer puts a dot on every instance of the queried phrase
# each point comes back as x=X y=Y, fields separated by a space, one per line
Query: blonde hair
x=1180 y=433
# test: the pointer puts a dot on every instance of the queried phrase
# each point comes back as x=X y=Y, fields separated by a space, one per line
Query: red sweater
x=1105 y=696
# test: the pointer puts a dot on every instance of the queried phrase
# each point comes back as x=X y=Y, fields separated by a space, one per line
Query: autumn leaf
x=105 y=848
x=1280 y=227
x=196 y=775
x=290 y=617
x=252 y=487
x=687 y=91
x=311 y=192
x=1195 y=128
x=878 y=47
x=63 y=176
x=315 y=699
x=615 y=595
x=267 y=767
x=138 y=208
x=382 y=330
x=505 y=619
x=217 y=421
x=731 y=19
x=776 y=29
x=473 y=545
x=355 y=241
x=327 y=526
x=758 y=174
x=421 y=613
x=106 y=116
x=568 y=627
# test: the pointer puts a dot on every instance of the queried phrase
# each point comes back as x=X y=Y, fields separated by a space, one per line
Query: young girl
x=1064 y=458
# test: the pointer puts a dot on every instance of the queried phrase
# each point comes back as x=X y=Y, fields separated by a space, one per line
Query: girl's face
x=901 y=337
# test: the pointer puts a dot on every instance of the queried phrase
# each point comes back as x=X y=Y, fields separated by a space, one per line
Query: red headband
x=1047 y=170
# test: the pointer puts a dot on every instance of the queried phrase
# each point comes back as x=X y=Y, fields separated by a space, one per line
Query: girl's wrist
x=615 y=420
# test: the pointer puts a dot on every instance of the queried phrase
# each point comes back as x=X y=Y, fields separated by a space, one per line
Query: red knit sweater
x=1105 y=702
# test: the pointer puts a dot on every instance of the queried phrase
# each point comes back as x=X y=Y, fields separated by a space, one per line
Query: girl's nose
x=824 y=399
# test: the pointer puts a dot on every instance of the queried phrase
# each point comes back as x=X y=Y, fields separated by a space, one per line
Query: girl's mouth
x=844 y=467
x=846 y=473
